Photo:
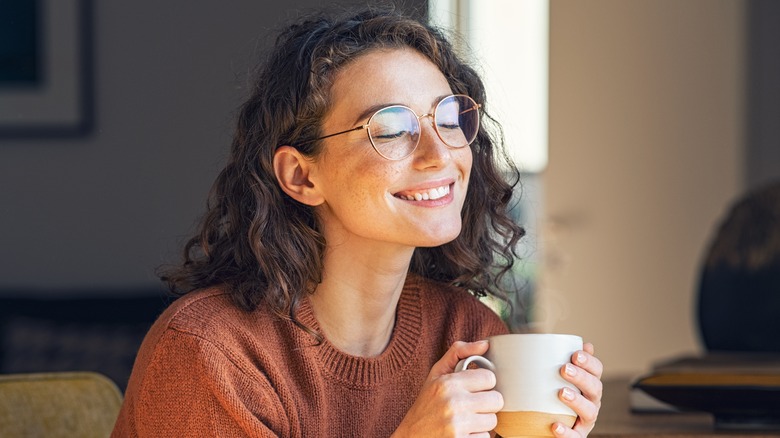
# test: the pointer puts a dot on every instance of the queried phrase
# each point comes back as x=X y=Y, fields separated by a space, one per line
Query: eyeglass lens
x=395 y=131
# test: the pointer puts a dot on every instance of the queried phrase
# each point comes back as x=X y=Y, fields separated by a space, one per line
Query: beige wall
x=646 y=151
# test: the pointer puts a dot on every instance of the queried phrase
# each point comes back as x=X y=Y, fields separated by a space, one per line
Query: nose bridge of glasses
x=435 y=141
x=432 y=116
x=432 y=124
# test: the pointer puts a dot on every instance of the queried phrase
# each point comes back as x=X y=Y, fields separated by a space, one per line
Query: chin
x=439 y=239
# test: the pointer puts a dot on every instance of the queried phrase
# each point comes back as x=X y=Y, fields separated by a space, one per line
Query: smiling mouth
x=425 y=195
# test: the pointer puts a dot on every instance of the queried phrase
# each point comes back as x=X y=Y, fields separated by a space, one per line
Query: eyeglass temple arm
x=473 y=108
x=356 y=128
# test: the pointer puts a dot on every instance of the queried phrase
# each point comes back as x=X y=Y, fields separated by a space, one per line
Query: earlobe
x=292 y=171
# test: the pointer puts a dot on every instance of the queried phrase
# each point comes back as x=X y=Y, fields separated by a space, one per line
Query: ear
x=292 y=171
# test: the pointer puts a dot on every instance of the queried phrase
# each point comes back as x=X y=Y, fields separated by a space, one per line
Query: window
x=507 y=42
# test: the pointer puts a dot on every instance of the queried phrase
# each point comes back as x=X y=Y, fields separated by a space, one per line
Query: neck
x=356 y=302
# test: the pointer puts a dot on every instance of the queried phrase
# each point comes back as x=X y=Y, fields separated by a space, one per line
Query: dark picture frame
x=51 y=94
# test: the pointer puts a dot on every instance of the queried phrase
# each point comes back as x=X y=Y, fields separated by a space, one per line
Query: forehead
x=387 y=76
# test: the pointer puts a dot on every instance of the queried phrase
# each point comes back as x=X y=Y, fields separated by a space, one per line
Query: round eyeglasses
x=394 y=131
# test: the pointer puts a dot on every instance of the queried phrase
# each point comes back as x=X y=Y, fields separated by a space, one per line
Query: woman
x=330 y=291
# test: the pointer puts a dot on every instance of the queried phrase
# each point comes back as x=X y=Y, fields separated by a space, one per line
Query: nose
x=431 y=151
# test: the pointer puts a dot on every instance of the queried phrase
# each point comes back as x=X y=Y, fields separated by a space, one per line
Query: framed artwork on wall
x=45 y=68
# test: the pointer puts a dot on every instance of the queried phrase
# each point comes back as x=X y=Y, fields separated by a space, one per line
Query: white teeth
x=431 y=194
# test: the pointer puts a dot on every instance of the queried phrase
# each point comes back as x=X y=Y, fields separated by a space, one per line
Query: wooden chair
x=63 y=404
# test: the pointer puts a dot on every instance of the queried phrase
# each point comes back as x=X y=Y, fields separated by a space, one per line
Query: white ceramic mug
x=528 y=376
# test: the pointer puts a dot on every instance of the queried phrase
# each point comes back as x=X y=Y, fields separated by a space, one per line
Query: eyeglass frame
x=366 y=126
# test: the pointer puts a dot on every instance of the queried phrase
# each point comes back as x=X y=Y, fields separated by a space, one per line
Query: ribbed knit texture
x=207 y=368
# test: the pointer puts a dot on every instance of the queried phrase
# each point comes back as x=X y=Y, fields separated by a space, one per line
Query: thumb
x=458 y=351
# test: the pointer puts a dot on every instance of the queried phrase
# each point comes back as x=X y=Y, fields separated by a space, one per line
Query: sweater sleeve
x=190 y=387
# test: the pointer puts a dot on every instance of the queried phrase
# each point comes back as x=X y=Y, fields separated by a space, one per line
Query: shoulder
x=200 y=353
x=456 y=309
x=442 y=295
x=200 y=312
x=210 y=320
x=206 y=329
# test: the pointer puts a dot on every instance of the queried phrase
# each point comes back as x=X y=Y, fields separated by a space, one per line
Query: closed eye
x=391 y=135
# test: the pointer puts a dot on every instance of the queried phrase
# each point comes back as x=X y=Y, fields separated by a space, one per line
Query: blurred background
x=661 y=113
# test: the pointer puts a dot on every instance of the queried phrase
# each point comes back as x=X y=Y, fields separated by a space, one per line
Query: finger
x=560 y=430
x=475 y=380
x=590 y=385
x=588 y=362
x=586 y=410
x=459 y=350
x=487 y=402
x=486 y=423
x=589 y=348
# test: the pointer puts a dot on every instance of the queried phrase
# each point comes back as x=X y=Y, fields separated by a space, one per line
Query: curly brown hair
x=265 y=247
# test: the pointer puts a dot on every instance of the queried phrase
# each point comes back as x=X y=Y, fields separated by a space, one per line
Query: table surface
x=617 y=420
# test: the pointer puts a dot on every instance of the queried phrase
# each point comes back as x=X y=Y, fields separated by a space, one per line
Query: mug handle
x=479 y=360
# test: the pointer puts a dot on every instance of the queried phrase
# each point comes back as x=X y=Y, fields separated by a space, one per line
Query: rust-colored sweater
x=207 y=369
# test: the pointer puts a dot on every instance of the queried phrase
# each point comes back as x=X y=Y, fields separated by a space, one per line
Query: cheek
x=466 y=160
x=359 y=181
x=373 y=182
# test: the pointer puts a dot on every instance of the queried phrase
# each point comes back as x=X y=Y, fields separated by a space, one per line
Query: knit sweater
x=208 y=368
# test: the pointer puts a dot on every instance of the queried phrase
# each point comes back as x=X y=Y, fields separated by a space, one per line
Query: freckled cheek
x=367 y=185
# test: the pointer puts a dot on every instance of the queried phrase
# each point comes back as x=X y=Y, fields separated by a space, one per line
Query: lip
x=447 y=184
x=428 y=185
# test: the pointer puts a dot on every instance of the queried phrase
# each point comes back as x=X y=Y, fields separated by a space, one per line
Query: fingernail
x=559 y=429
x=570 y=370
x=581 y=357
x=568 y=394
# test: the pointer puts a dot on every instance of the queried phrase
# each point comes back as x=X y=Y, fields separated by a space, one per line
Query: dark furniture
x=82 y=331
x=617 y=420
x=739 y=288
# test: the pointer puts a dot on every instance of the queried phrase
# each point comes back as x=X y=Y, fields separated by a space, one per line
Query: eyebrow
x=374 y=108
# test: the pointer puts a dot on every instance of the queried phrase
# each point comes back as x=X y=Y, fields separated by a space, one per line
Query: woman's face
x=372 y=199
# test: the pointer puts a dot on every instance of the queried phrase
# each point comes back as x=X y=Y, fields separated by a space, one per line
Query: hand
x=584 y=372
x=454 y=404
